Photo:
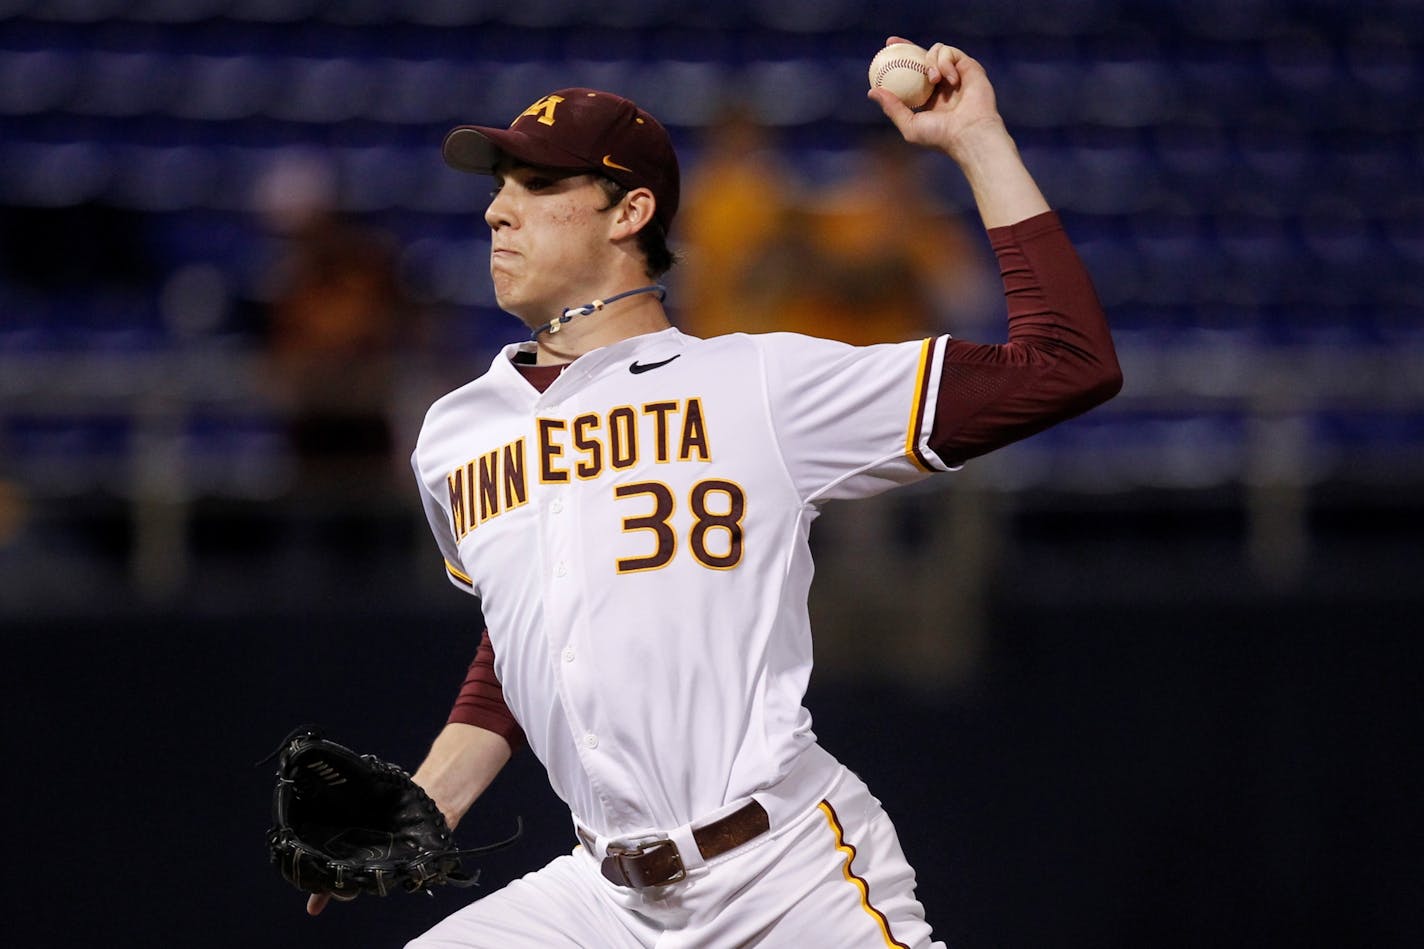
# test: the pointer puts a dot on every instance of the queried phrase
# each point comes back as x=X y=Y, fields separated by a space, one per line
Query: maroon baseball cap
x=578 y=130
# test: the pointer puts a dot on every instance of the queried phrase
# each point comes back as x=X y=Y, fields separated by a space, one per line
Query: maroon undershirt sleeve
x=1058 y=362
x=481 y=699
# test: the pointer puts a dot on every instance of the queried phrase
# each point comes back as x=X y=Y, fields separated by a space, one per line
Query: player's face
x=548 y=240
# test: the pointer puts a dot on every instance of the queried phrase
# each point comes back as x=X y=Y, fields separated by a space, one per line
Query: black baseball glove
x=346 y=824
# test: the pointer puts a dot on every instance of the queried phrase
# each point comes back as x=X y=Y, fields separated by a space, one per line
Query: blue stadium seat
x=414 y=92
x=1181 y=261
x=54 y=175
x=149 y=178
x=226 y=88
x=1347 y=258
x=1131 y=94
x=1375 y=173
x=682 y=93
x=323 y=90
x=377 y=178
x=1262 y=262
x=1226 y=20
x=1226 y=84
x=1114 y=173
x=121 y=85
x=271 y=11
x=1195 y=160
x=33 y=82
x=1277 y=156
x=174 y=11
x=1403 y=230
x=1386 y=59
x=1040 y=93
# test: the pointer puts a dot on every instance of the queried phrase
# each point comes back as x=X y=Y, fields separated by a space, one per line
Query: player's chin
x=522 y=298
x=530 y=313
x=508 y=293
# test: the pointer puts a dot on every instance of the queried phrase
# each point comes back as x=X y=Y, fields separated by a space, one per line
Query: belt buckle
x=618 y=854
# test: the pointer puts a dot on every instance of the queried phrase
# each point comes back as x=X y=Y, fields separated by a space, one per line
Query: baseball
x=903 y=68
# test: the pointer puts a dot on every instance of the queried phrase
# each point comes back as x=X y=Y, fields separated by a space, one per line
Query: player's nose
x=500 y=212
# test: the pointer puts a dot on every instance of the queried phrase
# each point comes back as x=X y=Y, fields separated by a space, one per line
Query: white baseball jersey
x=638 y=538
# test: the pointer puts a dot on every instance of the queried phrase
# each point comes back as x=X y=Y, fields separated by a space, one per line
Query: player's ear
x=633 y=213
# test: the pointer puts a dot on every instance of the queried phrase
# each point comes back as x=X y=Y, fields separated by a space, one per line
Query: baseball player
x=631 y=505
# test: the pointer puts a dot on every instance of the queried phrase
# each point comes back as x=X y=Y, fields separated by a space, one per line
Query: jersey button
x=560 y=569
x=568 y=654
x=558 y=506
x=590 y=740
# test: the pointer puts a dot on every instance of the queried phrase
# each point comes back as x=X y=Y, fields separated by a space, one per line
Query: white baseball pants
x=831 y=876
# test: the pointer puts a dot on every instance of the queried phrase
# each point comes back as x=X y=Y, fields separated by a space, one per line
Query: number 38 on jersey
x=590 y=445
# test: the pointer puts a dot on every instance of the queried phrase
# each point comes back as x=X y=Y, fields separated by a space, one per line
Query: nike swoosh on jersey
x=638 y=367
x=608 y=160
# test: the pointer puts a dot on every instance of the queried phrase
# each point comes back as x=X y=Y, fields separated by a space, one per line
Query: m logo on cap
x=544 y=109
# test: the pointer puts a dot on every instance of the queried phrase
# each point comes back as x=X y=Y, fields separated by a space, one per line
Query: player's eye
x=538 y=183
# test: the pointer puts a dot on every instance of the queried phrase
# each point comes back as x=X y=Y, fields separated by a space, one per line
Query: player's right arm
x=479 y=738
x=462 y=762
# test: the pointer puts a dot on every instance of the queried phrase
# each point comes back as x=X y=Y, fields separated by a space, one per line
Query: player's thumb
x=895 y=110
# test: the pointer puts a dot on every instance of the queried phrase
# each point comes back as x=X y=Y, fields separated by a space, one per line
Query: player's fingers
x=935 y=75
x=966 y=66
x=945 y=61
x=318 y=901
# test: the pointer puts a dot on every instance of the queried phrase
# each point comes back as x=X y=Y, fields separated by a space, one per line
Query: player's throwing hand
x=963 y=100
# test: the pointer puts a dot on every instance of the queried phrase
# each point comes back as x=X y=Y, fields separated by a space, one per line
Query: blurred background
x=1149 y=679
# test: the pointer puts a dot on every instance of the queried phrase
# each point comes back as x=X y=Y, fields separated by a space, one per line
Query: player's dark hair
x=652 y=239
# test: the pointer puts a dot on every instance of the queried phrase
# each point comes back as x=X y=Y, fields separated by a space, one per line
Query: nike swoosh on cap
x=638 y=367
x=608 y=160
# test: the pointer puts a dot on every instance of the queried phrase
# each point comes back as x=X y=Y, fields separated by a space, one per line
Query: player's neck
x=620 y=320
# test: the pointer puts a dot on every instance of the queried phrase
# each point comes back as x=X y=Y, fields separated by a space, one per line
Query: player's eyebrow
x=507 y=167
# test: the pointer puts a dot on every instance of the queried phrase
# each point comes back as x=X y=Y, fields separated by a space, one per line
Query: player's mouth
x=502 y=258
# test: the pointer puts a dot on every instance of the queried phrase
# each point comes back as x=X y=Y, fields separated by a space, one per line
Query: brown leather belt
x=657 y=862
